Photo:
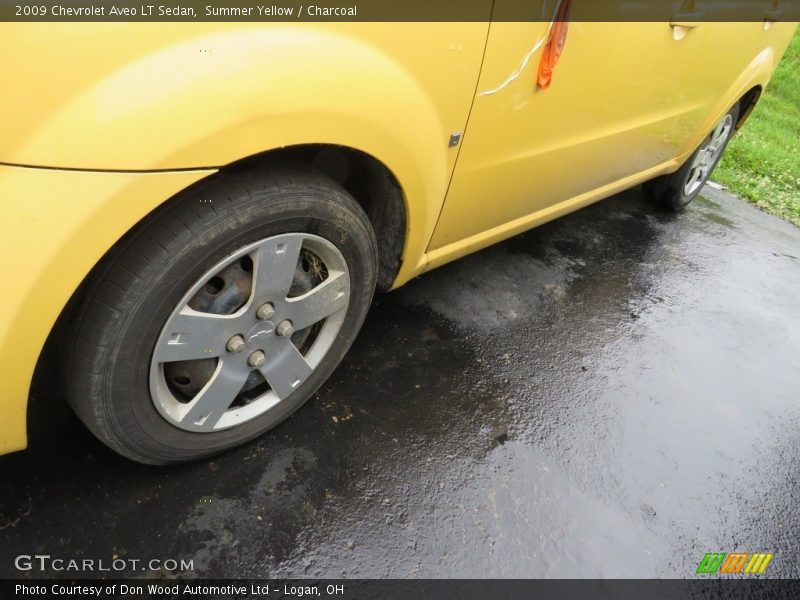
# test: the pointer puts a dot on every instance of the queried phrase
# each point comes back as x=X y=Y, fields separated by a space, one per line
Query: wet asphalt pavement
x=610 y=395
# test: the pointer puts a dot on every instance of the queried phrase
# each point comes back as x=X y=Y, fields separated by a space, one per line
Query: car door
x=615 y=108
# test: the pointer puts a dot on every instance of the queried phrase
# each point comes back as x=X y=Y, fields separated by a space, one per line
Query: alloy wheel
x=249 y=332
x=706 y=158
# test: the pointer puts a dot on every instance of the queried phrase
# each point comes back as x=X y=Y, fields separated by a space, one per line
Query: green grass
x=762 y=163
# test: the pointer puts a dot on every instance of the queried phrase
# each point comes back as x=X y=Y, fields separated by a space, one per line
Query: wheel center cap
x=259 y=335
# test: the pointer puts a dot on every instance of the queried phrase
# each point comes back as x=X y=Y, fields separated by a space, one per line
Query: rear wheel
x=221 y=314
x=677 y=190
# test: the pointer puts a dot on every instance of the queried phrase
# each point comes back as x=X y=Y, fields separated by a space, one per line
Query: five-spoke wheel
x=221 y=314
x=219 y=363
x=678 y=189
x=706 y=158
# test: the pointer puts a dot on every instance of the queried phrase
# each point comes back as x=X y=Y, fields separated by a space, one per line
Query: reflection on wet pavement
x=612 y=394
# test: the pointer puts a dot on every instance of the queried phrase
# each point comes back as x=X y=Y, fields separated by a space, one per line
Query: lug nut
x=257 y=359
x=284 y=328
x=235 y=344
x=265 y=311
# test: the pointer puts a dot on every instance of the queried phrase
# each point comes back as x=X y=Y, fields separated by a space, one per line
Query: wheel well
x=747 y=103
x=368 y=180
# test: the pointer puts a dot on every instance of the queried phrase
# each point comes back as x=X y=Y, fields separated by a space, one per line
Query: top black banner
x=398 y=10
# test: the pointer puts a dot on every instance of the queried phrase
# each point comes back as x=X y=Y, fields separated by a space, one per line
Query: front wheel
x=677 y=190
x=221 y=314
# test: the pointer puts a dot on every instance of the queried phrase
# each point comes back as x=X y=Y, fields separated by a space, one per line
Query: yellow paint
x=168 y=95
x=628 y=102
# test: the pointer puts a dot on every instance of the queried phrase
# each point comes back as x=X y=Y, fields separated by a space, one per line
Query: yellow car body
x=104 y=122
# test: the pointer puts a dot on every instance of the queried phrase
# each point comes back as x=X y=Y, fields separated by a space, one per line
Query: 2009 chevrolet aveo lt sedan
x=199 y=214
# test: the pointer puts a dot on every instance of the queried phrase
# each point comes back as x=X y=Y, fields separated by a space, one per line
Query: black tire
x=130 y=294
x=668 y=191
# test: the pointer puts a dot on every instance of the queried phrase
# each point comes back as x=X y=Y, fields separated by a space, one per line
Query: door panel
x=619 y=104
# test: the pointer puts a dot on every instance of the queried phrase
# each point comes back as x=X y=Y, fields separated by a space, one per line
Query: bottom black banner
x=395 y=589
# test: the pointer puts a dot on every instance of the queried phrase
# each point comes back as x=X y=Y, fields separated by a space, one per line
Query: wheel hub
x=260 y=335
